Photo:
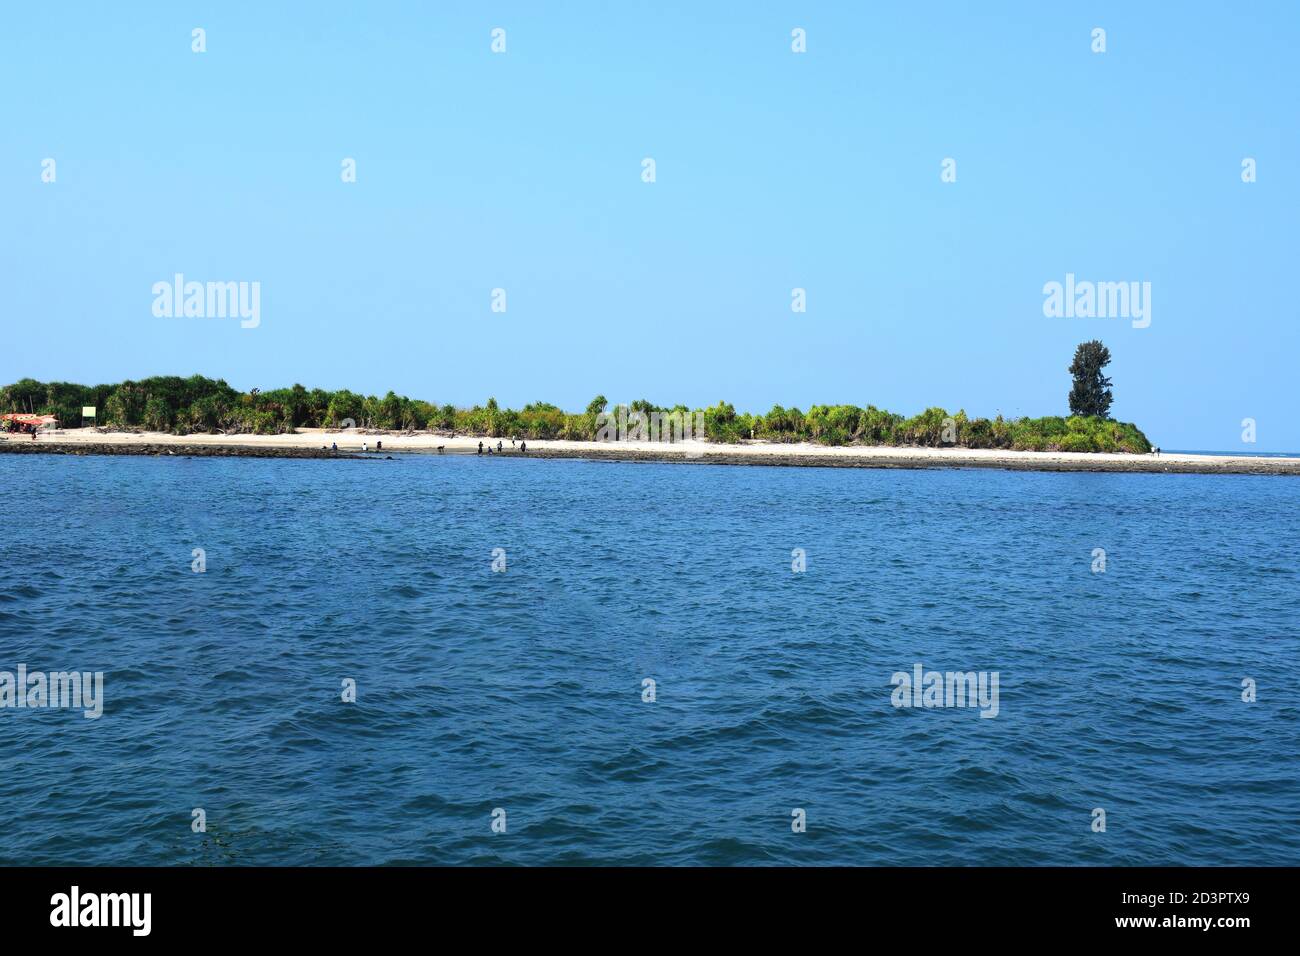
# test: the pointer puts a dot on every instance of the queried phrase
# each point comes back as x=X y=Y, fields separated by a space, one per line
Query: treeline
x=199 y=404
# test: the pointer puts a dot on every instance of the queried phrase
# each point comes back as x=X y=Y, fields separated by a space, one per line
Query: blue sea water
x=522 y=690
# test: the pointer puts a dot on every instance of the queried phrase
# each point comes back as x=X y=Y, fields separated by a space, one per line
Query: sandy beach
x=312 y=443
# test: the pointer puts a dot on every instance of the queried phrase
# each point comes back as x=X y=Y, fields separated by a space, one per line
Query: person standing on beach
x=480 y=448
x=523 y=446
x=499 y=445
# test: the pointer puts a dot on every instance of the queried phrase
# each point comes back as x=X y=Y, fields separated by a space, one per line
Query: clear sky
x=774 y=170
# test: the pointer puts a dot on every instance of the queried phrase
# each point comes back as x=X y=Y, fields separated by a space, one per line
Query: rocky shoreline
x=1141 y=464
x=729 y=455
x=46 y=447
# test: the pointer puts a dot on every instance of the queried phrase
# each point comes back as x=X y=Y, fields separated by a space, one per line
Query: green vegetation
x=1090 y=394
x=198 y=404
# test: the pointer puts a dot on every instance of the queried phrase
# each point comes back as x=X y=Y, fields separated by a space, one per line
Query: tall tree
x=1090 y=394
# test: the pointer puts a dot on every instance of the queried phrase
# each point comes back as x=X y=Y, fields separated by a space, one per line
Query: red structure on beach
x=17 y=422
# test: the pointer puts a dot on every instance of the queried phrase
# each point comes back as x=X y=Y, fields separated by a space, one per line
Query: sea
x=459 y=660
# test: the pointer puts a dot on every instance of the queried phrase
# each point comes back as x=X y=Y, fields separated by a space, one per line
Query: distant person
x=499 y=446
x=480 y=448
x=378 y=445
x=363 y=447
x=523 y=447
x=440 y=448
x=334 y=446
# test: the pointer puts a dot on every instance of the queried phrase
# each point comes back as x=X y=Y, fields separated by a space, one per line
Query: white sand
x=351 y=440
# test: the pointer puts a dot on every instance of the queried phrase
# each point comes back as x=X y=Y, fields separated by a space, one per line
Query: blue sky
x=775 y=170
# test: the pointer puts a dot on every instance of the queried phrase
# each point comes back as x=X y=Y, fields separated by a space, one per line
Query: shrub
x=1076 y=441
